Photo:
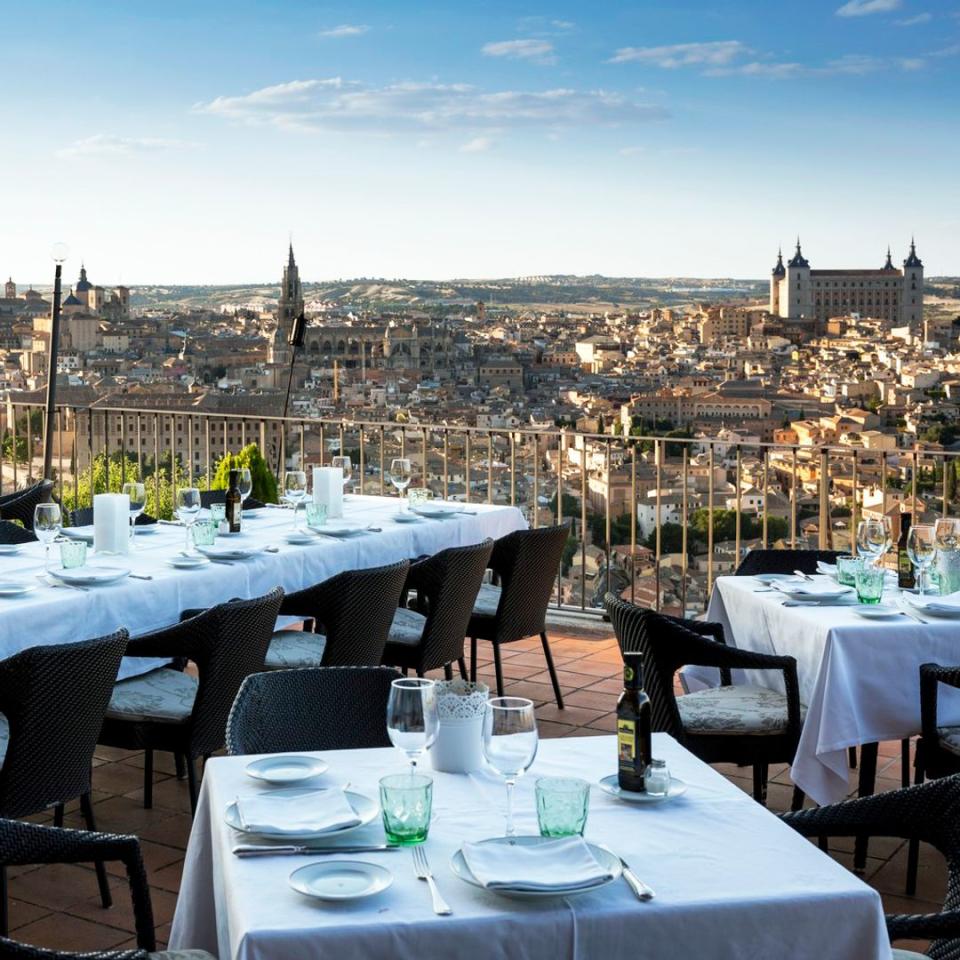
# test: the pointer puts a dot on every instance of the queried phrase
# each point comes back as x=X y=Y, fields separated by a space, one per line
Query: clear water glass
x=137 y=492
x=412 y=719
x=316 y=513
x=204 y=533
x=188 y=506
x=847 y=570
x=401 y=473
x=510 y=742
x=346 y=466
x=406 y=801
x=47 y=523
x=295 y=491
x=921 y=549
x=562 y=806
x=73 y=554
x=244 y=482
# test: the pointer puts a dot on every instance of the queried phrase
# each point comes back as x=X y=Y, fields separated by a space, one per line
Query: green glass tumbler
x=316 y=513
x=870 y=582
x=847 y=570
x=406 y=800
x=204 y=533
x=562 y=806
x=73 y=554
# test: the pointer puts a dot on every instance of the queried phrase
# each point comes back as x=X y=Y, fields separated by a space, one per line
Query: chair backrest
x=83 y=517
x=449 y=582
x=314 y=708
x=54 y=698
x=660 y=640
x=784 y=561
x=14 y=533
x=527 y=562
x=355 y=609
x=20 y=504
x=228 y=642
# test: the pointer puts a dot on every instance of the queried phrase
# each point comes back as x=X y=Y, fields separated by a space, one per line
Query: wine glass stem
x=187 y=544
x=46 y=557
x=511 y=830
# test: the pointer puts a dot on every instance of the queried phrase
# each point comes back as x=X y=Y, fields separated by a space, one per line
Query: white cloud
x=631 y=151
x=477 y=145
x=914 y=21
x=346 y=30
x=563 y=24
x=713 y=53
x=863 y=8
x=110 y=145
x=540 y=51
x=350 y=106
x=912 y=63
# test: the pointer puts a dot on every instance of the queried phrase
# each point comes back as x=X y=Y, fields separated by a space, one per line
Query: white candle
x=111 y=523
x=328 y=489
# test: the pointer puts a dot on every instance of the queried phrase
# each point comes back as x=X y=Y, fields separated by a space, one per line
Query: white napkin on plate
x=949 y=602
x=566 y=863
x=318 y=811
x=810 y=588
x=827 y=569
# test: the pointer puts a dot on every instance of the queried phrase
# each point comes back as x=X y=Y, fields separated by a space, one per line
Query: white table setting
x=145 y=588
x=711 y=873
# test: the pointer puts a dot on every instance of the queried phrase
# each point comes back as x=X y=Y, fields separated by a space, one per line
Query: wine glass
x=401 y=473
x=510 y=742
x=921 y=549
x=47 y=521
x=346 y=466
x=295 y=490
x=872 y=539
x=244 y=485
x=412 y=716
x=137 y=492
x=188 y=506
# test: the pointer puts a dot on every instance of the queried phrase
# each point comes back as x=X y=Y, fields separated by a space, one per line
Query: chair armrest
x=931 y=676
x=924 y=926
x=31 y=843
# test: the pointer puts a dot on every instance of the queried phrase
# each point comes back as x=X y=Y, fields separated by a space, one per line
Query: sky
x=187 y=142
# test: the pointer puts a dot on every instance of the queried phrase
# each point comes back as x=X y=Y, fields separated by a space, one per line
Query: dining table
x=730 y=879
x=154 y=592
x=859 y=677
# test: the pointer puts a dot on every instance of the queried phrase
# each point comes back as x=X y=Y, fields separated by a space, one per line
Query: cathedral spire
x=290 y=261
x=913 y=260
x=889 y=264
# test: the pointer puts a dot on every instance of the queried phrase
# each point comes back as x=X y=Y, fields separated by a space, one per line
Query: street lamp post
x=59 y=254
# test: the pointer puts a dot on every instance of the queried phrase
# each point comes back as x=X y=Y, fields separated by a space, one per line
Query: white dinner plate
x=406 y=518
x=610 y=785
x=435 y=513
x=798 y=593
x=366 y=810
x=300 y=539
x=948 y=611
x=339 y=530
x=230 y=553
x=774 y=577
x=9 y=549
x=877 y=612
x=183 y=562
x=340 y=879
x=16 y=588
x=286 y=768
x=79 y=533
x=91 y=576
x=605 y=858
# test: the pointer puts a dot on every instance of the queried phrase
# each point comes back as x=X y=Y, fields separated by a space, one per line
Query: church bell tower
x=289 y=308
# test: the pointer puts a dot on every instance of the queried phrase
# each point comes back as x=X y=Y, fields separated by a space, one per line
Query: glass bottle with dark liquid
x=234 y=502
x=905 y=576
x=633 y=726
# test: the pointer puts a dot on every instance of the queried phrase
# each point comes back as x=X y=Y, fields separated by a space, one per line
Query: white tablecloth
x=731 y=880
x=62 y=615
x=859 y=678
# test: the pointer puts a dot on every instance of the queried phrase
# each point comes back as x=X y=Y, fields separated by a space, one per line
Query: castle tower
x=798 y=301
x=779 y=272
x=911 y=299
x=83 y=287
x=289 y=308
x=10 y=290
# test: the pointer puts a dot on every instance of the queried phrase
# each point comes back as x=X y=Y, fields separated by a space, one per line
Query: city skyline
x=441 y=142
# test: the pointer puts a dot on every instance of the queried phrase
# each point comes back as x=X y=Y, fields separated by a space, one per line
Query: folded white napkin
x=318 y=811
x=949 y=602
x=810 y=588
x=566 y=863
x=827 y=569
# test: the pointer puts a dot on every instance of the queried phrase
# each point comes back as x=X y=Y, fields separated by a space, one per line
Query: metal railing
x=655 y=519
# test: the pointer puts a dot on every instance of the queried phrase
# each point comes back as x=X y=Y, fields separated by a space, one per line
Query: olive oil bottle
x=633 y=726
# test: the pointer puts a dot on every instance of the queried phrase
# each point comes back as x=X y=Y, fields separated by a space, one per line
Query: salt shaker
x=656 y=779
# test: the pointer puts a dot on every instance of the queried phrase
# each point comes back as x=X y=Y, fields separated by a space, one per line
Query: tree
x=571 y=506
x=671 y=539
x=619 y=529
x=569 y=551
x=264 y=482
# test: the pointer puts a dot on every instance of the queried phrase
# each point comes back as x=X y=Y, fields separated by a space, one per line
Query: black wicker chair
x=431 y=635
x=208 y=497
x=354 y=610
x=526 y=564
x=168 y=709
x=749 y=725
x=324 y=708
x=785 y=561
x=11 y=533
x=922 y=813
x=83 y=517
x=23 y=844
x=52 y=701
x=20 y=504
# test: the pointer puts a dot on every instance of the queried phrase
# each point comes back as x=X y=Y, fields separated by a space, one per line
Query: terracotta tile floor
x=58 y=906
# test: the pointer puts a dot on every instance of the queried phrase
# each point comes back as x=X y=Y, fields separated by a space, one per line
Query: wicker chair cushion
x=160 y=696
x=181 y=955
x=950 y=739
x=734 y=711
x=488 y=599
x=295 y=648
x=407 y=627
x=4 y=737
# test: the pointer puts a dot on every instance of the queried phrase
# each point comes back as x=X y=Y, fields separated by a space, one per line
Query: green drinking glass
x=847 y=570
x=316 y=513
x=73 y=554
x=218 y=512
x=406 y=800
x=204 y=533
x=562 y=806
x=870 y=583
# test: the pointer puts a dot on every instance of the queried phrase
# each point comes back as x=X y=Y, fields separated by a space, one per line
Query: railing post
x=684 y=474
x=824 y=535
x=738 y=512
x=766 y=496
x=710 y=461
x=658 y=522
x=793 y=504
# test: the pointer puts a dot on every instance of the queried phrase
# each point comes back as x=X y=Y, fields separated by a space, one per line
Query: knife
x=257 y=850
x=905 y=608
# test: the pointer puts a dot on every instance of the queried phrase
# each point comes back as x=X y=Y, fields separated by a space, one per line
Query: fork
x=422 y=869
